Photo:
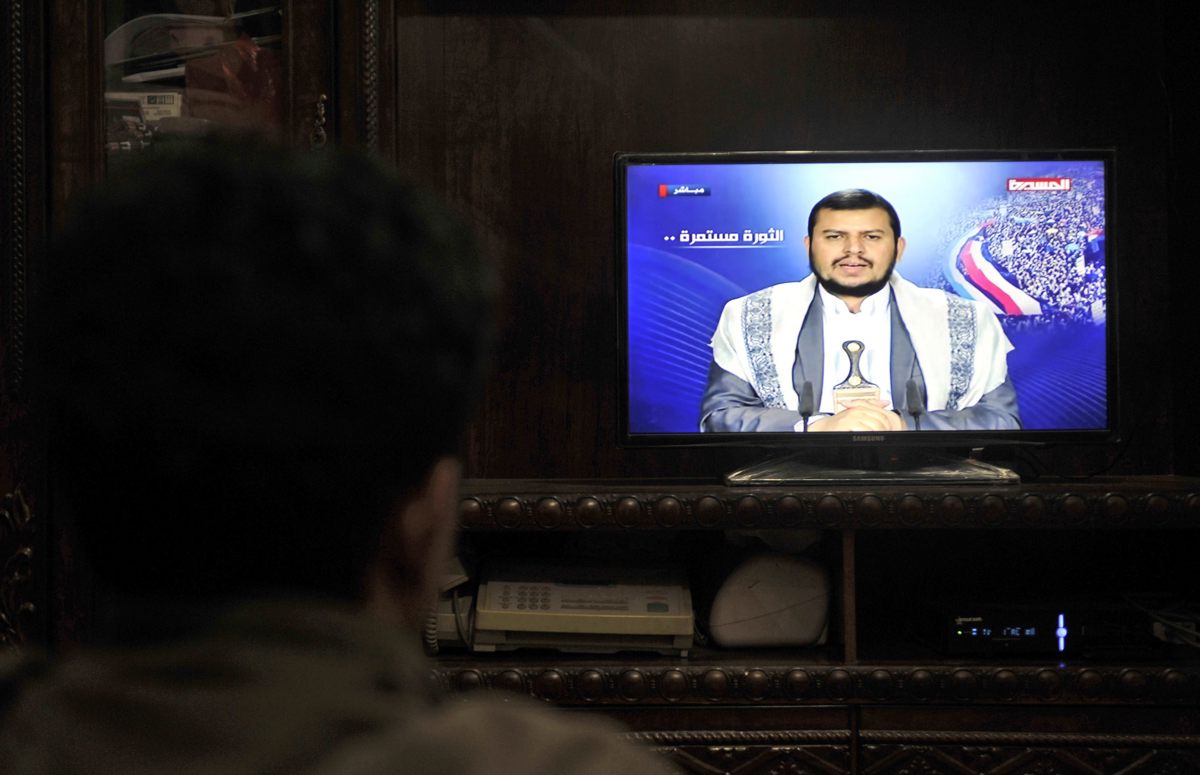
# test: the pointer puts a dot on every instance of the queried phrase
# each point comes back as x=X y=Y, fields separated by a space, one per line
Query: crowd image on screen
x=1049 y=244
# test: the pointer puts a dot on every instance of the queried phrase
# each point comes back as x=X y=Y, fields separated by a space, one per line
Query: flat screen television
x=996 y=325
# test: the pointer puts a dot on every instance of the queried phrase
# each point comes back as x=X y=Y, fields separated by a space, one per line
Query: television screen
x=961 y=293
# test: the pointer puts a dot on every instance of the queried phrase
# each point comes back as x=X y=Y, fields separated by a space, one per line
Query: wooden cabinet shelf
x=729 y=680
x=880 y=695
x=1139 y=502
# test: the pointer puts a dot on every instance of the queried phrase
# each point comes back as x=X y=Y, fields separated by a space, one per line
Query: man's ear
x=900 y=243
x=432 y=513
x=416 y=545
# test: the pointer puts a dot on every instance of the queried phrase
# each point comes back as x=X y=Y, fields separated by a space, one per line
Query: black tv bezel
x=925 y=439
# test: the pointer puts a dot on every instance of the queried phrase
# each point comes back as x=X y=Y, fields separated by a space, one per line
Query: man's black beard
x=857 y=291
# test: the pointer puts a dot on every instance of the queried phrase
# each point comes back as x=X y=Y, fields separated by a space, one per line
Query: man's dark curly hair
x=855 y=199
x=250 y=353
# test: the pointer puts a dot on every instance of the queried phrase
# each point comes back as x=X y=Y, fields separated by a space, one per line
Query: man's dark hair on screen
x=250 y=353
x=854 y=199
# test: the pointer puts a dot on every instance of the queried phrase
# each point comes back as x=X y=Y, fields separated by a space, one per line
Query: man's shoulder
x=549 y=740
x=490 y=735
x=19 y=674
x=781 y=292
x=902 y=286
x=18 y=670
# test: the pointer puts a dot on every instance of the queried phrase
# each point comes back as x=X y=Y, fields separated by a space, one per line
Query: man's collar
x=875 y=304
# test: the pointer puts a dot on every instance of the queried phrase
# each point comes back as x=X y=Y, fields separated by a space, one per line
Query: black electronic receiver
x=1046 y=631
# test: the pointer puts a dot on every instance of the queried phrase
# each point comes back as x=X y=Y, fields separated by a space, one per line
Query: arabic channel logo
x=1039 y=184
x=681 y=189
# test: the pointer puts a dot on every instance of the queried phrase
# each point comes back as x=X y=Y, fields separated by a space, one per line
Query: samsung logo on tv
x=681 y=189
x=1039 y=184
x=866 y=438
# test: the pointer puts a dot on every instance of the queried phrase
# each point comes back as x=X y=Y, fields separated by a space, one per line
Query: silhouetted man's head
x=253 y=355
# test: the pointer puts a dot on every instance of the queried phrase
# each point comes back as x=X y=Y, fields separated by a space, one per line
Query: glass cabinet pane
x=178 y=67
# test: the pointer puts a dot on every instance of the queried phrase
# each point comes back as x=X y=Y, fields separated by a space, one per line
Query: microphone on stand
x=914 y=402
x=808 y=405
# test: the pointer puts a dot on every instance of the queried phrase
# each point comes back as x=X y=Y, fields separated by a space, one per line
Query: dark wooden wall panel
x=1180 y=70
x=515 y=116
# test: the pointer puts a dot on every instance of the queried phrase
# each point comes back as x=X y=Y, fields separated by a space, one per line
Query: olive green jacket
x=272 y=687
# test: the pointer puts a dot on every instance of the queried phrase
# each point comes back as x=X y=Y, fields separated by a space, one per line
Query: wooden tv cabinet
x=878 y=697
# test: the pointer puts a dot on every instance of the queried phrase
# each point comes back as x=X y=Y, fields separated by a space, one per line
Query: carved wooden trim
x=15 y=162
x=1158 y=502
x=689 y=737
x=370 y=73
x=22 y=193
x=318 y=136
x=16 y=569
x=660 y=682
x=921 y=751
x=1026 y=739
x=750 y=758
x=1035 y=759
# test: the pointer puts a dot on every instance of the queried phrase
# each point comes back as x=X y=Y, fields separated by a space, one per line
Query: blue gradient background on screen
x=676 y=292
